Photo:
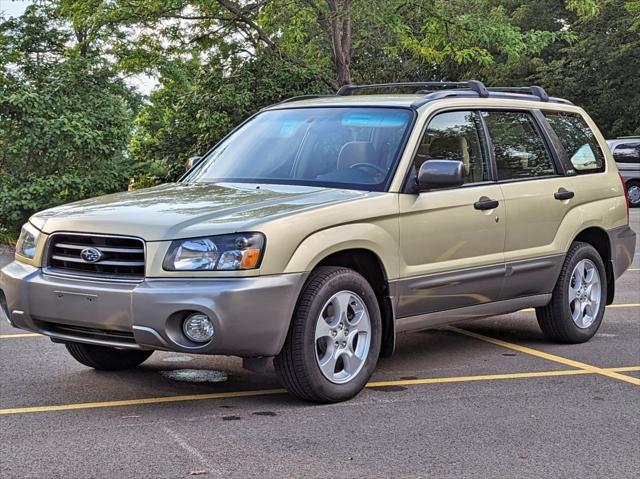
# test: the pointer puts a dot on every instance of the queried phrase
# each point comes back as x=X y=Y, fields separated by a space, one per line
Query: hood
x=180 y=210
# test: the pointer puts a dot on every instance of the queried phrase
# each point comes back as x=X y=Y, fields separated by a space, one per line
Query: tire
x=105 y=358
x=557 y=318
x=633 y=193
x=310 y=341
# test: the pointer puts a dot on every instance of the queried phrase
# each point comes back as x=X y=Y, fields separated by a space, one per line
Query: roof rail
x=526 y=90
x=473 y=85
x=301 y=97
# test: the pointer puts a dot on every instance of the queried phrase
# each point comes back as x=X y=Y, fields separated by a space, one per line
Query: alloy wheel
x=342 y=337
x=585 y=293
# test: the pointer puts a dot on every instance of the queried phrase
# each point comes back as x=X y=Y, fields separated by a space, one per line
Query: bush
x=20 y=200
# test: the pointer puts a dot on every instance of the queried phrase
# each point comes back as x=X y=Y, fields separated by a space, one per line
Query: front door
x=451 y=241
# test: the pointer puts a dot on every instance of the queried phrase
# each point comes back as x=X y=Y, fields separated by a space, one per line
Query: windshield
x=353 y=148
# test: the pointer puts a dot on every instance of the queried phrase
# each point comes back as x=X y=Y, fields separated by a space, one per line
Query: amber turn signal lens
x=250 y=258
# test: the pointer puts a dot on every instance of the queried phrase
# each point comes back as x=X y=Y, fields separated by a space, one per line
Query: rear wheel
x=633 y=193
x=334 y=340
x=106 y=358
x=578 y=302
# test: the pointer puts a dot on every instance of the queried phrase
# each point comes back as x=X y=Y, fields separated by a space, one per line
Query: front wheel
x=334 y=339
x=106 y=358
x=578 y=301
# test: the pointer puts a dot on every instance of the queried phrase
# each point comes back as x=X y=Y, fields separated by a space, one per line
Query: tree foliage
x=197 y=106
x=65 y=119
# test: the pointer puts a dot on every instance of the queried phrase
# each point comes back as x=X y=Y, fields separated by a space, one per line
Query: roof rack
x=436 y=90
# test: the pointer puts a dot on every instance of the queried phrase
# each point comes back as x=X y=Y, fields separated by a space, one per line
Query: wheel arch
x=370 y=266
x=599 y=239
x=369 y=248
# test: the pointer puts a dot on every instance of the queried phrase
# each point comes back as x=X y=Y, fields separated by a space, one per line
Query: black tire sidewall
x=561 y=294
x=105 y=358
x=346 y=280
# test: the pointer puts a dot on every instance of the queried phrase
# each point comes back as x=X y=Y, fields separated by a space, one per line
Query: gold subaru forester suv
x=323 y=226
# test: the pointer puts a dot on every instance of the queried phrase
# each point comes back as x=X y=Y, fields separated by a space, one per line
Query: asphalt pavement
x=487 y=398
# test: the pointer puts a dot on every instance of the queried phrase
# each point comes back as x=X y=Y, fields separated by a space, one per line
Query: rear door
x=451 y=239
x=537 y=196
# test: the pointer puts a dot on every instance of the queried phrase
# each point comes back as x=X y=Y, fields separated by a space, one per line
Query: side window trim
x=407 y=185
x=548 y=146
x=558 y=153
x=488 y=146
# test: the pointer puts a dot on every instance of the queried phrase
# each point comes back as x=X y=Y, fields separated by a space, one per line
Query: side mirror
x=436 y=174
x=192 y=162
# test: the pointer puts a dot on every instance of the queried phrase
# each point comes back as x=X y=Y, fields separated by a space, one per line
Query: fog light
x=198 y=328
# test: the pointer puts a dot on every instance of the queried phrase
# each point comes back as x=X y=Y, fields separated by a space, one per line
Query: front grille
x=111 y=257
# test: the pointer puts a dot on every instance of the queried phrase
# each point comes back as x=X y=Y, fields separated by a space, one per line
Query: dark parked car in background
x=626 y=152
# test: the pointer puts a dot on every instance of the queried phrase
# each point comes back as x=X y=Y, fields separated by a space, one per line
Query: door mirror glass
x=192 y=162
x=434 y=174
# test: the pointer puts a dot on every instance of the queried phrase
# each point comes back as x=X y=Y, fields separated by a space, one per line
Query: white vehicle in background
x=626 y=152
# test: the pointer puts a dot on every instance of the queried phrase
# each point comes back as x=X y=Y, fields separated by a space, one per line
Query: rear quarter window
x=578 y=140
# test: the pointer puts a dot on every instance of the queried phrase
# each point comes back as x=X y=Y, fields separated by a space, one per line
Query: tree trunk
x=338 y=28
x=336 y=23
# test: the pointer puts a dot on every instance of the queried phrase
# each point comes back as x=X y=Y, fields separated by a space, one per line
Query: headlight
x=224 y=252
x=27 y=242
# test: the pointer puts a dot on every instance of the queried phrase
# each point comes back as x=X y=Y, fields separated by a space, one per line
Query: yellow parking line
x=19 y=335
x=491 y=377
x=625 y=369
x=548 y=356
x=135 y=402
x=265 y=392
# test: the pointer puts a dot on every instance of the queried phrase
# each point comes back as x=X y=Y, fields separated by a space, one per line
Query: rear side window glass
x=627 y=152
x=519 y=149
x=578 y=141
x=456 y=136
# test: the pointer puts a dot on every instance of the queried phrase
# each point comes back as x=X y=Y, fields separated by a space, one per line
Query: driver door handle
x=486 y=204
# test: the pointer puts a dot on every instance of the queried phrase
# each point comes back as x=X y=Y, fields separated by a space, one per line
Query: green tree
x=199 y=103
x=599 y=71
x=220 y=61
x=65 y=118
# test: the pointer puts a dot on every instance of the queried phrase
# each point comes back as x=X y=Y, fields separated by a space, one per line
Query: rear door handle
x=563 y=194
x=486 y=204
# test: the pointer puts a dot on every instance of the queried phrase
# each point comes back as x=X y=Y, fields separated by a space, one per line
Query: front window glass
x=519 y=149
x=578 y=141
x=340 y=147
x=455 y=136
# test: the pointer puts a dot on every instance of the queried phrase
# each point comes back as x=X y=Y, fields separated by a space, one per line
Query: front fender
x=379 y=239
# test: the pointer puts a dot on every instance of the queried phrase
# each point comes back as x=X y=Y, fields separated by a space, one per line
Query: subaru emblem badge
x=91 y=255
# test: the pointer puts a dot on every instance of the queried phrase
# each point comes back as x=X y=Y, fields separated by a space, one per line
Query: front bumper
x=251 y=315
